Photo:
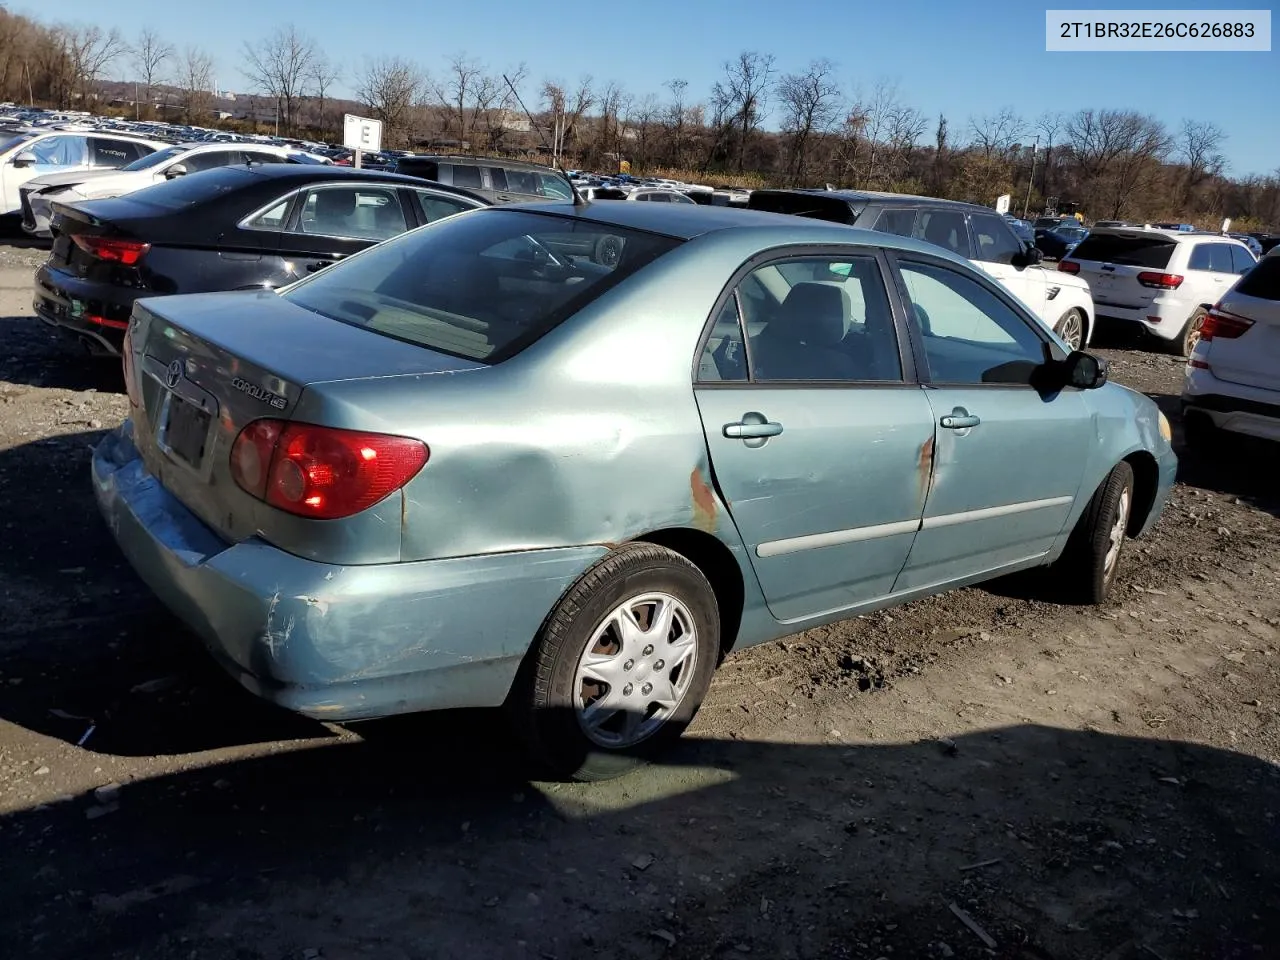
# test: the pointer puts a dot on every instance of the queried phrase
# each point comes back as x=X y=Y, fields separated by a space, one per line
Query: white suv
x=28 y=155
x=1158 y=278
x=1233 y=373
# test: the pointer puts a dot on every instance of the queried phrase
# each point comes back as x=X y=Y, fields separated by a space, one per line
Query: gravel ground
x=980 y=774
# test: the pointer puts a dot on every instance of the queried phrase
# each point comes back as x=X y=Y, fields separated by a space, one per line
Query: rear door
x=334 y=220
x=820 y=439
x=1253 y=357
x=108 y=154
x=1008 y=460
x=1111 y=261
x=1210 y=271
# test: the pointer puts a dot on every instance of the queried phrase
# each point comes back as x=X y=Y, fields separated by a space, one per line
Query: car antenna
x=577 y=197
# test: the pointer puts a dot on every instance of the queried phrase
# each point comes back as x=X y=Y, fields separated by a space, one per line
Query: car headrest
x=335 y=203
x=816 y=313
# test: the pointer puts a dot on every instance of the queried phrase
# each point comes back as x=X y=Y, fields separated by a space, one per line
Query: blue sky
x=960 y=59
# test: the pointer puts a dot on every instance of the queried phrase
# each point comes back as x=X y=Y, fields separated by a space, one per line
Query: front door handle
x=960 y=419
x=752 y=426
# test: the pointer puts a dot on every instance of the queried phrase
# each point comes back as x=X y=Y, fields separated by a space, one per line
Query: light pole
x=1031 y=179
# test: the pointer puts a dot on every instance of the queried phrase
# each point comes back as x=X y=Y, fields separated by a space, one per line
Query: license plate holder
x=186 y=430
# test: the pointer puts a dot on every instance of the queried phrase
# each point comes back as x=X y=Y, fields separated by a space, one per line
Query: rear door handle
x=959 y=420
x=752 y=426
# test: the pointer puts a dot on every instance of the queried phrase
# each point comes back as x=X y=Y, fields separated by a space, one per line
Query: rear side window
x=899 y=221
x=1151 y=251
x=481 y=287
x=464 y=176
x=1215 y=257
x=197 y=162
x=412 y=167
x=946 y=228
x=1263 y=281
x=112 y=153
x=1241 y=260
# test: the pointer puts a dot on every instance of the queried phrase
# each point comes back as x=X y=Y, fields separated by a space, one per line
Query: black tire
x=1188 y=336
x=544 y=703
x=1083 y=569
x=1065 y=325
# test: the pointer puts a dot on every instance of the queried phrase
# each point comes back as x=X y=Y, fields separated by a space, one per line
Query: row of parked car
x=561 y=456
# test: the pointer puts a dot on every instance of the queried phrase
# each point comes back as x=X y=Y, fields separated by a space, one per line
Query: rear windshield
x=194 y=188
x=813 y=205
x=1153 y=251
x=1263 y=281
x=483 y=285
x=411 y=167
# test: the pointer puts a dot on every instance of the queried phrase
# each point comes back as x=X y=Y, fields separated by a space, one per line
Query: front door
x=1009 y=459
x=819 y=443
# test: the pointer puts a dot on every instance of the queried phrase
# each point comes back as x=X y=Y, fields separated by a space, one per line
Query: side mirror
x=1084 y=371
x=1029 y=257
x=175 y=171
x=25 y=159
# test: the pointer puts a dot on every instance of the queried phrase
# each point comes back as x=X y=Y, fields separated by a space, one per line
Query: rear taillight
x=1068 y=266
x=126 y=356
x=1221 y=325
x=322 y=472
x=113 y=249
x=1160 y=281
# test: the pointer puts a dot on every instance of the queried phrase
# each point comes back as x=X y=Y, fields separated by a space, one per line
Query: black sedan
x=1061 y=240
x=230 y=228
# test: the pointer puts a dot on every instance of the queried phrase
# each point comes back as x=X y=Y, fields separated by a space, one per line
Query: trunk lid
x=1253 y=358
x=1110 y=261
x=205 y=365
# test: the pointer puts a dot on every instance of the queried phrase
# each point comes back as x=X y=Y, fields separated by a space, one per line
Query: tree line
x=758 y=124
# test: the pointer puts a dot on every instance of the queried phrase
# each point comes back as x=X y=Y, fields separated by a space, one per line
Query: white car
x=658 y=195
x=1158 y=278
x=1233 y=374
x=25 y=156
x=38 y=195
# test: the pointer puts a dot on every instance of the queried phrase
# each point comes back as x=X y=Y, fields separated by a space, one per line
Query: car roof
x=876 y=196
x=483 y=161
x=686 y=221
x=289 y=171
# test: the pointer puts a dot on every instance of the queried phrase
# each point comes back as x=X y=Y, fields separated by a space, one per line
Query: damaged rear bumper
x=326 y=641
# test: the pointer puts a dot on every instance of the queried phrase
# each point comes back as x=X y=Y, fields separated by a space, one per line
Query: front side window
x=363 y=213
x=993 y=239
x=555 y=187
x=481 y=287
x=1242 y=259
x=811 y=319
x=64 y=151
x=155 y=159
x=209 y=159
x=970 y=335
x=946 y=228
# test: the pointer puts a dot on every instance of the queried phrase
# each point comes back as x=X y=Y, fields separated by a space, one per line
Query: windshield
x=10 y=142
x=481 y=285
x=155 y=159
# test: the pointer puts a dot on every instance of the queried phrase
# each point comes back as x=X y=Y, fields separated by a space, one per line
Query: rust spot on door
x=924 y=468
x=704 y=502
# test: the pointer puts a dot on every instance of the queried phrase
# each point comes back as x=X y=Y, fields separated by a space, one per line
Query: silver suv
x=502 y=181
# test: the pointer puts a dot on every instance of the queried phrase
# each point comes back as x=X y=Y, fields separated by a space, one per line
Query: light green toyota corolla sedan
x=562 y=458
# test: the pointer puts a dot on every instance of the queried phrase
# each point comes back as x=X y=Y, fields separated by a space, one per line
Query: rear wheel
x=1071 y=328
x=1189 y=335
x=1092 y=557
x=621 y=665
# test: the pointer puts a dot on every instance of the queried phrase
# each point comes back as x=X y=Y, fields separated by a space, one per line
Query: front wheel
x=620 y=666
x=1071 y=328
x=1092 y=557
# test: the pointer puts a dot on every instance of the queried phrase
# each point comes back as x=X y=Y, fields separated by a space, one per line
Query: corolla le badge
x=255 y=391
x=173 y=375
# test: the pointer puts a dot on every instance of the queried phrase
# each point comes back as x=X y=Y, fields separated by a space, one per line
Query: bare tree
x=742 y=96
x=566 y=108
x=643 y=120
x=994 y=134
x=938 y=171
x=281 y=65
x=1048 y=124
x=150 y=53
x=810 y=104
x=321 y=76
x=390 y=87
x=91 y=50
x=1198 y=143
x=676 y=121
x=1115 y=150
x=195 y=84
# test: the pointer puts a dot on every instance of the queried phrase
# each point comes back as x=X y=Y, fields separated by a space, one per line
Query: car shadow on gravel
x=33 y=354
x=1053 y=843
x=84 y=644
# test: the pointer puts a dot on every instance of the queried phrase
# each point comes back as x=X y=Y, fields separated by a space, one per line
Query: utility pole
x=137 y=108
x=1035 y=147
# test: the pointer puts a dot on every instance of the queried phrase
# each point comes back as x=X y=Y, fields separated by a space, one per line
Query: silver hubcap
x=635 y=670
x=1116 y=537
x=1072 y=330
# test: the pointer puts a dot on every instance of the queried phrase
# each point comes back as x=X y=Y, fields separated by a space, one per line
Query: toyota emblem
x=173 y=374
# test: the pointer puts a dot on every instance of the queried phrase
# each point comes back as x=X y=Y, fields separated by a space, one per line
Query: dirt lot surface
x=981 y=774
